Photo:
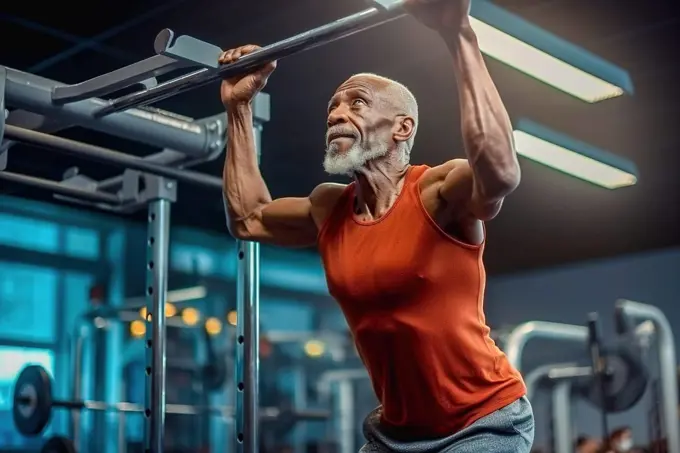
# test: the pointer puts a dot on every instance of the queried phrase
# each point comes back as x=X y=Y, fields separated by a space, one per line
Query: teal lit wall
x=50 y=257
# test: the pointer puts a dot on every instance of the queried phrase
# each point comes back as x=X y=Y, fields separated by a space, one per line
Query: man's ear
x=404 y=128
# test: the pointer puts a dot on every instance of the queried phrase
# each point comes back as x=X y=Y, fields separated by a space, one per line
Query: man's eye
x=357 y=102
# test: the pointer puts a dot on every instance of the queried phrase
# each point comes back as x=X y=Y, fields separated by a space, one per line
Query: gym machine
x=211 y=374
x=43 y=107
x=534 y=378
x=336 y=389
x=620 y=379
x=627 y=315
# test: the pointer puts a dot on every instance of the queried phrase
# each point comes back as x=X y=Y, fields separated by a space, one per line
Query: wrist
x=455 y=36
x=239 y=109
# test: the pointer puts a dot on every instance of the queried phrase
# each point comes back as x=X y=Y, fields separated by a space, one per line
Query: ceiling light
x=544 y=56
x=574 y=158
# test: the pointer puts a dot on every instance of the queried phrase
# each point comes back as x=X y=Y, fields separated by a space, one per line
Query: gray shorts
x=508 y=430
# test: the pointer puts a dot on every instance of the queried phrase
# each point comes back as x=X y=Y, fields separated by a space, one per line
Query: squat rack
x=42 y=107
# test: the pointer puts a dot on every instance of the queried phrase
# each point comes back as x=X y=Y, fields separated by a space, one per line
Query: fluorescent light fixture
x=546 y=57
x=572 y=157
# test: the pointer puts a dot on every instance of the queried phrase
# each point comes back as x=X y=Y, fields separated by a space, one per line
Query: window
x=81 y=243
x=32 y=234
x=44 y=236
x=28 y=302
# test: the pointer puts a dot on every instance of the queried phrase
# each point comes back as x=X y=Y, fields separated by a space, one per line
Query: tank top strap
x=413 y=179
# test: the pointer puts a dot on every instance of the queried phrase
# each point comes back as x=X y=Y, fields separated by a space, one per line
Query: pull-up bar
x=108 y=156
x=385 y=11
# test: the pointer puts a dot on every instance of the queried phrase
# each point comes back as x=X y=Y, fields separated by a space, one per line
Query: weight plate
x=58 y=444
x=624 y=384
x=32 y=400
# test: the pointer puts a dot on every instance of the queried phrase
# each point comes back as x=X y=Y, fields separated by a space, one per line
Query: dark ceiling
x=550 y=220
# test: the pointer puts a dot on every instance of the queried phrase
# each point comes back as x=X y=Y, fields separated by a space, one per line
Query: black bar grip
x=593 y=329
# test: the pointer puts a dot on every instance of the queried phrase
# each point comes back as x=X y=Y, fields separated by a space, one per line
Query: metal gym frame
x=82 y=380
x=627 y=315
x=42 y=107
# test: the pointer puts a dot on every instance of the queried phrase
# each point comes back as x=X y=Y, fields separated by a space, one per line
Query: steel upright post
x=248 y=340
x=157 y=286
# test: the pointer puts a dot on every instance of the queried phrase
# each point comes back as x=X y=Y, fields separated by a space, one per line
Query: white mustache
x=338 y=131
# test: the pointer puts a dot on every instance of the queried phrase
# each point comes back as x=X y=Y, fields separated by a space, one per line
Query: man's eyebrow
x=351 y=91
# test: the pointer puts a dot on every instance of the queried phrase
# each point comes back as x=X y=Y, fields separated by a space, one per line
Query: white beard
x=351 y=160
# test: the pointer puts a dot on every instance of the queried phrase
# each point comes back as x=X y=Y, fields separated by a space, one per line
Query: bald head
x=396 y=96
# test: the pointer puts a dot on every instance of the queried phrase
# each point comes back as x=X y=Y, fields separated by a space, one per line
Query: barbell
x=615 y=379
x=33 y=403
x=618 y=384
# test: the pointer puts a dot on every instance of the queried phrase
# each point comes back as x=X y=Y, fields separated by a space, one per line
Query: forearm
x=486 y=126
x=244 y=188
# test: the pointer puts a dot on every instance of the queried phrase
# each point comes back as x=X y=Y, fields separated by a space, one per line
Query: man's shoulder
x=327 y=194
x=439 y=172
x=324 y=199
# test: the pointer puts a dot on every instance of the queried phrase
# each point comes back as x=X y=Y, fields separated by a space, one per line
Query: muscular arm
x=486 y=129
x=251 y=213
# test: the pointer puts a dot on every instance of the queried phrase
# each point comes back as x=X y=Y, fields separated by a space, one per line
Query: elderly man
x=402 y=245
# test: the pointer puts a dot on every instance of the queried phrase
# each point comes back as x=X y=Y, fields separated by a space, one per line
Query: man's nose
x=337 y=116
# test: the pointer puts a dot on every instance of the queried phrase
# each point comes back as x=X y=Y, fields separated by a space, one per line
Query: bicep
x=284 y=222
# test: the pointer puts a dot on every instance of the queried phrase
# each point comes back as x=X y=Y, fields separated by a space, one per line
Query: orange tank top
x=413 y=298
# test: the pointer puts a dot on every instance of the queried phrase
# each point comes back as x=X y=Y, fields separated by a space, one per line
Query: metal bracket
x=73 y=178
x=187 y=48
x=165 y=157
x=143 y=72
x=216 y=133
x=262 y=108
x=141 y=188
x=135 y=192
x=389 y=5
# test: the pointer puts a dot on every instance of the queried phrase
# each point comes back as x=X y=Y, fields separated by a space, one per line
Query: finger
x=225 y=58
x=266 y=69
x=238 y=52
x=228 y=56
x=269 y=67
x=250 y=48
x=222 y=58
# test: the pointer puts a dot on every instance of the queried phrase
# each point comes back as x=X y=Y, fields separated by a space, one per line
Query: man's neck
x=378 y=183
